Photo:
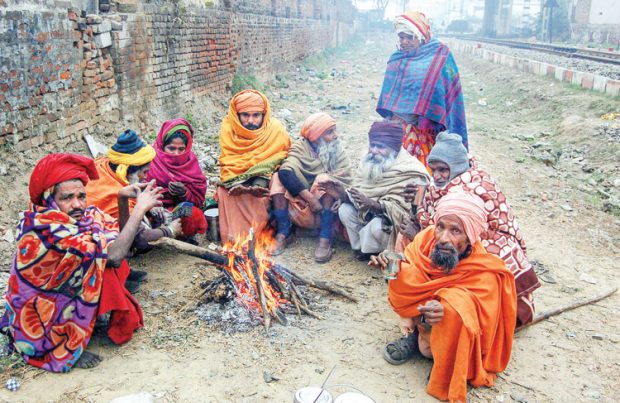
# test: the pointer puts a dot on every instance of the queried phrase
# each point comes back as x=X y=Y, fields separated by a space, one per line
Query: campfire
x=263 y=288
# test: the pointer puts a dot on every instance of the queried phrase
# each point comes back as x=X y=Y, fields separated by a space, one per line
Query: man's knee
x=347 y=213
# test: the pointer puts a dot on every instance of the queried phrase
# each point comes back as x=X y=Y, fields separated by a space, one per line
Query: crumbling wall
x=65 y=73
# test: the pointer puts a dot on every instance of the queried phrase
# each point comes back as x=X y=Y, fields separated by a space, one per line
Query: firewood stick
x=546 y=315
x=257 y=280
x=296 y=302
x=295 y=290
x=217 y=259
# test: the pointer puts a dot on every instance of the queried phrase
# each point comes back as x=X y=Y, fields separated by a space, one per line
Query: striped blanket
x=425 y=83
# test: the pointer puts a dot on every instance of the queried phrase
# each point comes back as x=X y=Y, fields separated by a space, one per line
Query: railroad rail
x=562 y=50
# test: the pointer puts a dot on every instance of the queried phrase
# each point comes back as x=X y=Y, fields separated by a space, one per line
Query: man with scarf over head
x=253 y=144
x=452 y=168
x=316 y=157
x=69 y=267
x=127 y=163
x=421 y=87
x=456 y=301
x=373 y=207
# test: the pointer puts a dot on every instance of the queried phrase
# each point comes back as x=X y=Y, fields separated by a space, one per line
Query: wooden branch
x=324 y=285
x=257 y=280
x=546 y=315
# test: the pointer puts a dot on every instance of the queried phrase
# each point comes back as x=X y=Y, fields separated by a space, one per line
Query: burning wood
x=258 y=284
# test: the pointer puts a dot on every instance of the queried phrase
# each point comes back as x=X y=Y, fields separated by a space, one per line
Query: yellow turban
x=140 y=157
x=249 y=101
x=316 y=124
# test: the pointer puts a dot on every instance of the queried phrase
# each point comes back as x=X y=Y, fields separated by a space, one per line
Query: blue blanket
x=425 y=82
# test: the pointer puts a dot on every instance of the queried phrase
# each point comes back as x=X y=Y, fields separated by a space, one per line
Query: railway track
x=561 y=50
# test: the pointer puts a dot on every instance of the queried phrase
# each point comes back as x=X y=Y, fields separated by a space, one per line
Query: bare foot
x=88 y=360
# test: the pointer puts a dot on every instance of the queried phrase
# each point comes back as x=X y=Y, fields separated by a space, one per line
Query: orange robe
x=473 y=341
x=103 y=192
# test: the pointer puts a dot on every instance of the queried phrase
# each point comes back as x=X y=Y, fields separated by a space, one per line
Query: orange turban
x=468 y=208
x=249 y=101
x=316 y=124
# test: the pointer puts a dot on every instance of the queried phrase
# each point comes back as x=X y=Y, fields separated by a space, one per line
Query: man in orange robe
x=253 y=145
x=456 y=301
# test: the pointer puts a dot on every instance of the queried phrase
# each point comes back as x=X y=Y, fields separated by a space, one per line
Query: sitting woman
x=177 y=170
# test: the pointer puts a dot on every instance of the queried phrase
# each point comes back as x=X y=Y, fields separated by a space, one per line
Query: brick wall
x=64 y=73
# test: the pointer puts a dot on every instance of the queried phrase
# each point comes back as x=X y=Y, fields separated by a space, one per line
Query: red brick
x=72 y=16
x=65 y=75
x=587 y=81
x=42 y=37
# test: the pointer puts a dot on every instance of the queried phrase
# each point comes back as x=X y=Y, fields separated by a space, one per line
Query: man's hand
x=314 y=204
x=333 y=188
x=379 y=261
x=409 y=227
x=364 y=202
x=407 y=325
x=177 y=189
x=149 y=197
x=334 y=208
x=159 y=213
x=410 y=192
x=132 y=191
x=432 y=311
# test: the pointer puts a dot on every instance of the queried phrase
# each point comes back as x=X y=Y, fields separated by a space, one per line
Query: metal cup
x=393 y=267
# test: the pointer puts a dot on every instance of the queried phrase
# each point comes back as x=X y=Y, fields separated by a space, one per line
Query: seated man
x=457 y=302
x=69 y=267
x=316 y=157
x=253 y=145
x=373 y=209
x=127 y=163
x=452 y=169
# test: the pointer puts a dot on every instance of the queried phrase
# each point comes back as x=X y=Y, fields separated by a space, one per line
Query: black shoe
x=137 y=275
x=132 y=286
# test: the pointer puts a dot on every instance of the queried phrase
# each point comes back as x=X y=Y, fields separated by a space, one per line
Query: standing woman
x=177 y=170
x=421 y=87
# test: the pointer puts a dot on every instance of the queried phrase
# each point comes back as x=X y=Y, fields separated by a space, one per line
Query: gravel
x=606 y=70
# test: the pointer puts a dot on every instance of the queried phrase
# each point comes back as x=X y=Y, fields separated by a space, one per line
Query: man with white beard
x=374 y=207
x=316 y=157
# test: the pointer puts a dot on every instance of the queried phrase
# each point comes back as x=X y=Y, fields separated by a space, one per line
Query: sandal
x=402 y=350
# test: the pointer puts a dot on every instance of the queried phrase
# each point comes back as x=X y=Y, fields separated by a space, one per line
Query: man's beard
x=251 y=126
x=77 y=214
x=329 y=153
x=373 y=166
x=447 y=257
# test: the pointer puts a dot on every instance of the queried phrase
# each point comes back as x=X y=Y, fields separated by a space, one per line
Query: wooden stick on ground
x=546 y=315
x=217 y=259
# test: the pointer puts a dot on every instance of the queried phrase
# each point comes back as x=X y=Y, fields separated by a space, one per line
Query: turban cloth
x=414 y=23
x=129 y=150
x=249 y=101
x=450 y=150
x=57 y=168
x=316 y=124
x=468 y=208
x=388 y=133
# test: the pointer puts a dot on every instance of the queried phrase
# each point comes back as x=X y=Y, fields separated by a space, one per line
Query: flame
x=241 y=269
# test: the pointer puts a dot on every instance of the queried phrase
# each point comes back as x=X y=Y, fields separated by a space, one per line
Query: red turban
x=468 y=208
x=388 y=133
x=57 y=168
x=249 y=101
x=316 y=124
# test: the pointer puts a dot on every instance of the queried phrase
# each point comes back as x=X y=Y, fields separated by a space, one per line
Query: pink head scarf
x=184 y=168
x=468 y=208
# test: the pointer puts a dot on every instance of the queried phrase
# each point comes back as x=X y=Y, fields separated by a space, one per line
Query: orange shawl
x=249 y=153
x=103 y=192
x=473 y=341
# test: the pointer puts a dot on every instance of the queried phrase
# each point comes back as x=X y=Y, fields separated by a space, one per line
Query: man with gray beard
x=316 y=157
x=374 y=206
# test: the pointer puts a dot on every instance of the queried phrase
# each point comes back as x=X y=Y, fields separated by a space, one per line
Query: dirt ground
x=552 y=154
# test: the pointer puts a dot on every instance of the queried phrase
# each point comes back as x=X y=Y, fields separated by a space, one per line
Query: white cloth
x=369 y=238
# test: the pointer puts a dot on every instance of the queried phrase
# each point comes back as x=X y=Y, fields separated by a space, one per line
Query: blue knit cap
x=450 y=150
x=128 y=142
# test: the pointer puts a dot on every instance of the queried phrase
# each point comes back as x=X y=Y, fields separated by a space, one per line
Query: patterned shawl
x=55 y=284
x=183 y=168
x=425 y=82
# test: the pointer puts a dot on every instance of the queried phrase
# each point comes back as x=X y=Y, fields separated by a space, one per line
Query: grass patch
x=245 y=82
